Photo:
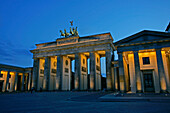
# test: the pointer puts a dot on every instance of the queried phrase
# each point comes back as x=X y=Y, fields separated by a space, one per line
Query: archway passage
x=19 y=83
x=1 y=85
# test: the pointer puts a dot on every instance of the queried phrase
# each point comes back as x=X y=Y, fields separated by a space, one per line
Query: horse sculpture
x=76 y=32
x=62 y=34
x=71 y=32
x=66 y=34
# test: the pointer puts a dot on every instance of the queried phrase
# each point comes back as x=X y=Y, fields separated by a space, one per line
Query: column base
x=122 y=91
x=163 y=91
x=139 y=91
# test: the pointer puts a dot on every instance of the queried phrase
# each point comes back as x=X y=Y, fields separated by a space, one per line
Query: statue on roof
x=62 y=34
x=73 y=31
x=66 y=34
x=76 y=32
x=71 y=22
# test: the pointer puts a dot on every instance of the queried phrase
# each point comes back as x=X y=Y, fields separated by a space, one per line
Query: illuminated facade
x=144 y=62
x=52 y=68
x=14 y=78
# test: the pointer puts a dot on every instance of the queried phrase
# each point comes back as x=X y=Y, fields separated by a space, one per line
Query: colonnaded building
x=143 y=64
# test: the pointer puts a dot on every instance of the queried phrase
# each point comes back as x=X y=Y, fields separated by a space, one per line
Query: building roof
x=5 y=66
x=84 y=37
x=143 y=33
x=167 y=28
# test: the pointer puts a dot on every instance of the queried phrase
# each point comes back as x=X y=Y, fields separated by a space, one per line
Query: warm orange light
x=3 y=72
x=130 y=55
x=163 y=52
x=20 y=74
x=122 y=88
x=163 y=84
x=12 y=73
x=139 y=87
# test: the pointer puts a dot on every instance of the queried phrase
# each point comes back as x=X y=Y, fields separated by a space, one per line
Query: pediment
x=144 y=36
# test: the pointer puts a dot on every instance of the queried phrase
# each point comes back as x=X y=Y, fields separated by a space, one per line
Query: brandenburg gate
x=52 y=68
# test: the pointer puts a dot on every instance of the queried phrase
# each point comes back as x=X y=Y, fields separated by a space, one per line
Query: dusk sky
x=24 y=23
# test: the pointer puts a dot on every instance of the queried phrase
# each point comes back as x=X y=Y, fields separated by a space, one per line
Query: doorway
x=1 y=85
x=19 y=83
x=148 y=82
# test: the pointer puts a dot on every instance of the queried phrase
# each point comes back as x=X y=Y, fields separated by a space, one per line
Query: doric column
x=92 y=71
x=161 y=73
x=15 y=82
x=26 y=82
x=115 y=79
x=35 y=73
x=108 y=70
x=77 y=71
x=7 y=80
x=29 y=82
x=71 y=75
x=121 y=73
x=59 y=71
x=113 y=76
x=168 y=65
x=23 y=82
x=138 y=78
x=46 y=73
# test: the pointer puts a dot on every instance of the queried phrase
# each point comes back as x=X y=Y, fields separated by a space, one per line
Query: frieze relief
x=66 y=41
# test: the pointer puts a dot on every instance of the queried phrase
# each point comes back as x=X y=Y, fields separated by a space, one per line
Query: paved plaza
x=75 y=102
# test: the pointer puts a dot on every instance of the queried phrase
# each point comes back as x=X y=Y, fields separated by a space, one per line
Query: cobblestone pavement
x=74 y=102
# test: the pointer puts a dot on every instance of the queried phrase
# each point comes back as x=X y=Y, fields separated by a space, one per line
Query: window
x=53 y=71
x=66 y=62
x=66 y=70
x=41 y=71
x=97 y=59
x=146 y=60
x=83 y=61
x=83 y=69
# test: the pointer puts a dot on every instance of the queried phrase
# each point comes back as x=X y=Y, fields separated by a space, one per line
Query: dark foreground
x=75 y=102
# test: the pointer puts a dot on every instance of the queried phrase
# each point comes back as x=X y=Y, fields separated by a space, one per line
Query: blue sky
x=23 y=23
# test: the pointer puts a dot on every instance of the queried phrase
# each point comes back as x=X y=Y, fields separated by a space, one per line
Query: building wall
x=66 y=77
x=98 y=72
x=40 y=74
x=125 y=62
x=132 y=72
x=83 y=76
x=11 y=81
x=167 y=74
x=146 y=67
x=52 y=80
x=151 y=66
x=4 y=78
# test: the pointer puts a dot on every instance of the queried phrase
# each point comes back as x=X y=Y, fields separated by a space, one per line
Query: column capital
x=108 y=50
x=119 y=53
x=135 y=51
x=92 y=52
x=36 y=58
x=158 y=49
